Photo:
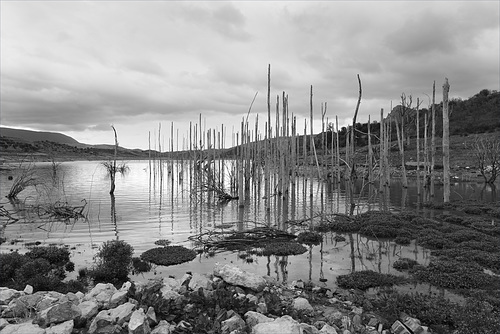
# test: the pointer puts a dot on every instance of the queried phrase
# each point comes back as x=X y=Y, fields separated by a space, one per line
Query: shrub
x=283 y=249
x=367 y=279
x=140 y=266
x=404 y=263
x=54 y=255
x=309 y=238
x=113 y=262
x=168 y=255
x=402 y=240
x=9 y=264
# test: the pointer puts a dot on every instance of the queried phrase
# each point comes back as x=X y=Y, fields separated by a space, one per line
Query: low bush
x=168 y=255
x=456 y=275
x=113 y=262
x=404 y=263
x=368 y=279
x=441 y=315
x=310 y=238
x=283 y=248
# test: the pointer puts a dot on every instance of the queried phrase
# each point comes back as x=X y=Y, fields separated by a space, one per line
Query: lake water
x=148 y=206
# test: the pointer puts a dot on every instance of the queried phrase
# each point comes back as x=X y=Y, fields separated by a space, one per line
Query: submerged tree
x=487 y=154
x=446 y=142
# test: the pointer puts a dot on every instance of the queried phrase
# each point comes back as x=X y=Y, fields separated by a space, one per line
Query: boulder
x=327 y=329
x=236 y=276
x=254 y=318
x=118 y=298
x=88 y=309
x=49 y=299
x=200 y=281
x=169 y=294
x=138 y=323
x=170 y=283
x=7 y=295
x=17 y=309
x=62 y=328
x=302 y=304
x=24 y=328
x=103 y=323
x=3 y=323
x=58 y=313
x=151 y=316
x=28 y=289
x=122 y=313
x=234 y=323
x=285 y=324
x=102 y=293
x=308 y=329
x=162 y=328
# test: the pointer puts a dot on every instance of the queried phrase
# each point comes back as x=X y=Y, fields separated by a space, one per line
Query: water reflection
x=164 y=201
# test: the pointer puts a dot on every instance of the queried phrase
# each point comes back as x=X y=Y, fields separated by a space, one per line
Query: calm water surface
x=147 y=207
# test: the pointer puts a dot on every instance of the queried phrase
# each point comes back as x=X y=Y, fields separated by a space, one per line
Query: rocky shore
x=227 y=301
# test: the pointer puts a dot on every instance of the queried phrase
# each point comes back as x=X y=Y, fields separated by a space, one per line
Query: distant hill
x=34 y=136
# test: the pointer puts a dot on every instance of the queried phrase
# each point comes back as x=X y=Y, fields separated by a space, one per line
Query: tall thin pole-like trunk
x=352 y=148
x=433 y=137
x=113 y=170
x=446 y=143
x=382 y=151
x=418 y=148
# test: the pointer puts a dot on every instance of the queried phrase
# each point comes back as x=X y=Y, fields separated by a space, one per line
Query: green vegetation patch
x=310 y=238
x=283 y=248
x=404 y=263
x=168 y=255
x=456 y=275
x=441 y=315
x=368 y=279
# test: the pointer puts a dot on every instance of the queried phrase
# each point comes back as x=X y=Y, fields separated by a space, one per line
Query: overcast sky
x=78 y=67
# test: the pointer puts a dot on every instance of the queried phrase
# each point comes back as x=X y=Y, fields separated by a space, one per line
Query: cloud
x=80 y=66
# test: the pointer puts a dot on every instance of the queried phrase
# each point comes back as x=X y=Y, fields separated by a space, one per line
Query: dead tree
x=487 y=154
x=446 y=143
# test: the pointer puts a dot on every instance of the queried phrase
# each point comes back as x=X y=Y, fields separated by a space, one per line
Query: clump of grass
x=283 y=248
x=366 y=279
x=404 y=263
x=163 y=242
x=310 y=238
x=456 y=275
x=140 y=266
x=113 y=262
x=168 y=255
x=26 y=179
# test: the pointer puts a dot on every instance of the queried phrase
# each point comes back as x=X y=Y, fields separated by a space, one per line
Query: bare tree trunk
x=418 y=149
x=446 y=142
x=382 y=151
x=352 y=162
x=113 y=171
x=433 y=137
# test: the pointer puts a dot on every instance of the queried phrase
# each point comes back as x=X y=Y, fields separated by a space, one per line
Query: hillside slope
x=33 y=136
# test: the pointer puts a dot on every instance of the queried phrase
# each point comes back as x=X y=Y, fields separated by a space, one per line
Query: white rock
x=62 y=328
x=327 y=329
x=138 y=323
x=262 y=308
x=200 y=281
x=232 y=324
x=58 y=313
x=236 y=276
x=102 y=293
x=24 y=328
x=89 y=309
x=254 y=318
x=80 y=295
x=285 y=324
x=162 y=328
x=302 y=304
x=151 y=316
x=126 y=286
x=101 y=322
x=169 y=294
x=3 y=323
x=118 y=298
x=28 y=289
x=6 y=295
x=170 y=283
x=122 y=313
x=309 y=329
